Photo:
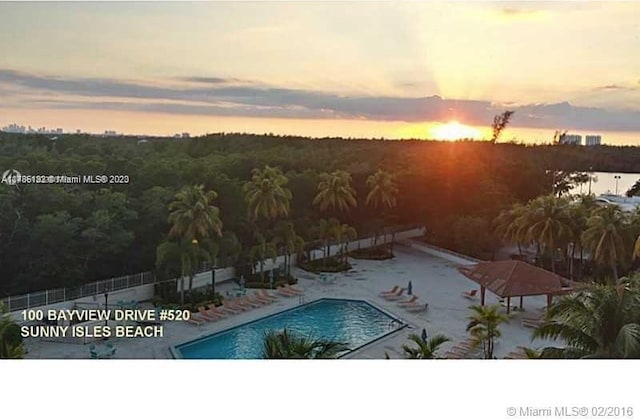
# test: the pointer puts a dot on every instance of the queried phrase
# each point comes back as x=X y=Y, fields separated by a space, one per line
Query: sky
x=352 y=69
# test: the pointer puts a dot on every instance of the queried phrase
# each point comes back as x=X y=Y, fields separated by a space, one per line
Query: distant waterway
x=606 y=183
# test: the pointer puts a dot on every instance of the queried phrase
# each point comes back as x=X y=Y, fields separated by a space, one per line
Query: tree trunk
x=614 y=268
x=182 y=290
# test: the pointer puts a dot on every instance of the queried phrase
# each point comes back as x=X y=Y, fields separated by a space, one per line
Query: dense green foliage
x=484 y=327
x=600 y=321
x=421 y=349
x=286 y=344
x=11 y=345
x=65 y=235
x=576 y=233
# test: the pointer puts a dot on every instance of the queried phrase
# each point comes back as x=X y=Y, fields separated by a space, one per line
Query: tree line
x=66 y=235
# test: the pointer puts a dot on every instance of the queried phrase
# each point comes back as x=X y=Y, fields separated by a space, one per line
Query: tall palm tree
x=186 y=254
x=547 y=222
x=382 y=193
x=268 y=198
x=424 y=350
x=290 y=345
x=212 y=247
x=288 y=239
x=343 y=234
x=509 y=225
x=262 y=251
x=192 y=214
x=335 y=192
x=325 y=232
x=194 y=218
x=600 y=321
x=484 y=327
x=267 y=195
x=605 y=237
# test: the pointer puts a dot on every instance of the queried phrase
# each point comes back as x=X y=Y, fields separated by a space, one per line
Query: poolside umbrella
x=424 y=335
x=410 y=288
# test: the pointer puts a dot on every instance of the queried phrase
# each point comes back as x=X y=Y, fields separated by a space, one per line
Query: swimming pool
x=352 y=321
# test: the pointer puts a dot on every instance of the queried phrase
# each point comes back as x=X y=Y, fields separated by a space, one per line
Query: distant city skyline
x=349 y=69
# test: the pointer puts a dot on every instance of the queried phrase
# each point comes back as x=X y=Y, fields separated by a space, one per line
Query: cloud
x=232 y=97
x=511 y=13
x=610 y=87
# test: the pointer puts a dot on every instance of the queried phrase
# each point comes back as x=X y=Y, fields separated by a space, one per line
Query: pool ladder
x=301 y=299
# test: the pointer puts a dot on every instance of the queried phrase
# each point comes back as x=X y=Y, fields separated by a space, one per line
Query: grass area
x=381 y=252
x=332 y=264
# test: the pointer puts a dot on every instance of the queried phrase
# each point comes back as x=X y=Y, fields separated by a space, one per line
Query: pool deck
x=434 y=280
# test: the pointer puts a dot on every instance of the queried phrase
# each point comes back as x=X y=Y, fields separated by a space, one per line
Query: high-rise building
x=573 y=139
x=592 y=140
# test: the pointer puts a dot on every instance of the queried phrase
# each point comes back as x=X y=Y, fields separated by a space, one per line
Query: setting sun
x=453 y=130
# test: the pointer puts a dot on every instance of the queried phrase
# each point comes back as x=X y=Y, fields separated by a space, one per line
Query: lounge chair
x=417 y=308
x=256 y=300
x=231 y=307
x=247 y=302
x=266 y=295
x=196 y=319
x=217 y=311
x=207 y=315
x=409 y=301
x=260 y=298
x=393 y=297
x=285 y=292
x=292 y=289
x=393 y=291
x=470 y=294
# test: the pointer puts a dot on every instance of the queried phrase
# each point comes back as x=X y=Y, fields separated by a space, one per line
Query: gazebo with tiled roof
x=514 y=278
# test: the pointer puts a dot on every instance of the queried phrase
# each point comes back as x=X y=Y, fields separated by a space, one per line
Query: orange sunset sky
x=352 y=69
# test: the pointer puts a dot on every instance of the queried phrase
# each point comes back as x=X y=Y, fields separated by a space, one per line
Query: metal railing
x=59 y=295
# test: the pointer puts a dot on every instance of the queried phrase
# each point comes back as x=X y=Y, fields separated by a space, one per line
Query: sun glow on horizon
x=454 y=130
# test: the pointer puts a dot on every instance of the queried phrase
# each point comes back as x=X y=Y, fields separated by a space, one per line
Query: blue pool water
x=354 y=322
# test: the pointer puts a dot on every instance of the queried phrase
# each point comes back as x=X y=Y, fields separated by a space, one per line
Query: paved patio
x=434 y=278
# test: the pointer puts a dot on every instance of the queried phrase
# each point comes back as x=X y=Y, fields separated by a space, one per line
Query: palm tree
x=193 y=218
x=212 y=247
x=266 y=194
x=262 y=251
x=484 y=327
x=287 y=345
x=192 y=215
x=325 y=231
x=600 y=321
x=335 y=191
x=268 y=198
x=343 y=233
x=187 y=254
x=382 y=193
x=636 y=249
x=287 y=237
x=508 y=225
x=425 y=349
x=605 y=237
x=547 y=222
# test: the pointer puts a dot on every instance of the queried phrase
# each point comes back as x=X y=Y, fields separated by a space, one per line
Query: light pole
x=106 y=303
x=590 y=177
x=617 y=178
